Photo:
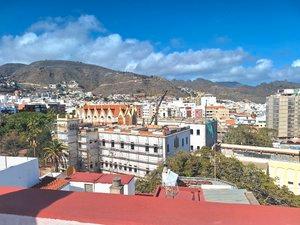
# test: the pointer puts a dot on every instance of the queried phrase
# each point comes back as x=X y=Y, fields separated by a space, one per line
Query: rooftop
x=119 y=209
x=51 y=183
x=150 y=130
x=99 y=177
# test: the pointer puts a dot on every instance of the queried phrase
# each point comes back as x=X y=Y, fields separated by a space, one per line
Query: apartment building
x=67 y=132
x=283 y=113
x=134 y=150
x=220 y=113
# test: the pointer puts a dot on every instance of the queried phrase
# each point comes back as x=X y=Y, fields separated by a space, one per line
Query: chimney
x=116 y=187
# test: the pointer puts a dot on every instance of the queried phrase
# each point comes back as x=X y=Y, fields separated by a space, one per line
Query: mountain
x=105 y=81
x=9 y=68
x=93 y=78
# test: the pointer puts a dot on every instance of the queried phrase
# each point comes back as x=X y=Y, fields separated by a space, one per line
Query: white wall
x=129 y=189
x=20 y=171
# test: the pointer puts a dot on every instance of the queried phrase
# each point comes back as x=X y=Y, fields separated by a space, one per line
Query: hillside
x=93 y=78
x=105 y=81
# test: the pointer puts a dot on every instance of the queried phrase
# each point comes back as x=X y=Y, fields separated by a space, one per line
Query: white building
x=138 y=150
x=101 y=183
x=19 y=171
x=201 y=134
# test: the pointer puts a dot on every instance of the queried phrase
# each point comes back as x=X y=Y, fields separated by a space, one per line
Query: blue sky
x=245 y=41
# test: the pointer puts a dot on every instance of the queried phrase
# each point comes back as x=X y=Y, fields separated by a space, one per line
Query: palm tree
x=34 y=130
x=55 y=153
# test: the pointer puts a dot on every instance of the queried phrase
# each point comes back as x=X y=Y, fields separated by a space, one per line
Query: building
x=67 y=132
x=76 y=208
x=108 y=114
x=88 y=149
x=18 y=171
x=34 y=107
x=281 y=164
x=283 y=112
x=201 y=133
x=220 y=113
x=101 y=183
x=139 y=150
x=135 y=150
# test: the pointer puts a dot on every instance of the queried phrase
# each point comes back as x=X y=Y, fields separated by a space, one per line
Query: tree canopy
x=29 y=130
x=247 y=135
x=231 y=170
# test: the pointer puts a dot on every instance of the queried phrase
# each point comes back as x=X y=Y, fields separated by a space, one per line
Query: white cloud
x=296 y=63
x=85 y=39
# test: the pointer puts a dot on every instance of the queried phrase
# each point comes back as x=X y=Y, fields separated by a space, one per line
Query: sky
x=245 y=41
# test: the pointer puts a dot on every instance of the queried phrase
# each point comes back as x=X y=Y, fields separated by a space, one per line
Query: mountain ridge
x=104 y=81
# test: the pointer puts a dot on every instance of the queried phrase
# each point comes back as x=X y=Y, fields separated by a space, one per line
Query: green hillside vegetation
x=228 y=169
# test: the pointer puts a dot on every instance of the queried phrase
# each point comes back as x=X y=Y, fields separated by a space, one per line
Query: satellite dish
x=169 y=178
x=71 y=170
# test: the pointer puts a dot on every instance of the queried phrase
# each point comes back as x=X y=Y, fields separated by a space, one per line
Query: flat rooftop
x=113 y=209
x=139 y=130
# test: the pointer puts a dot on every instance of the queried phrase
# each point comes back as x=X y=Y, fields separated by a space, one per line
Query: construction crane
x=154 y=117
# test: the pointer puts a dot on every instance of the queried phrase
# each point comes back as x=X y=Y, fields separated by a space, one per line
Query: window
x=147 y=171
x=125 y=168
x=155 y=149
x=88 y=187
x=198 y=132
x=106 y=164
x=103 y=142
x=182 y=142
x=168 y=148
x=187 y=140
x=130 y=168
x=132 y=146
x=192 y=131
x=198 y=147
x=135 y=169
x=112 y=144
x=115 y=166
x=122 y=144
x=192 y=147
x=147 y=147
x=120 y=167
x=290 y=182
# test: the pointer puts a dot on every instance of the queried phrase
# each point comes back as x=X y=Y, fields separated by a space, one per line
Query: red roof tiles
x=51 y=183
x=90 y=177
x=112 y=209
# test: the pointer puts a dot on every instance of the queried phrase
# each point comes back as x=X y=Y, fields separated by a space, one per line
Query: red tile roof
x=112 y=209
x=51 y=183
x=90 y=177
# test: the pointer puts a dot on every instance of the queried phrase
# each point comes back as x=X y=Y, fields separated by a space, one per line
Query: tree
x=11 y=143
x=247 y=135
x=33 y=127
x=200 y=164
x=55 y=153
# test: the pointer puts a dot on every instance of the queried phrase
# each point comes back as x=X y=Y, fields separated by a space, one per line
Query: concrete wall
x=129 y=189
x=20 y=171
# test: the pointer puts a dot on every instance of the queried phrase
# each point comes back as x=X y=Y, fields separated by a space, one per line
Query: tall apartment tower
x=283 y=113
x=67 y=133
